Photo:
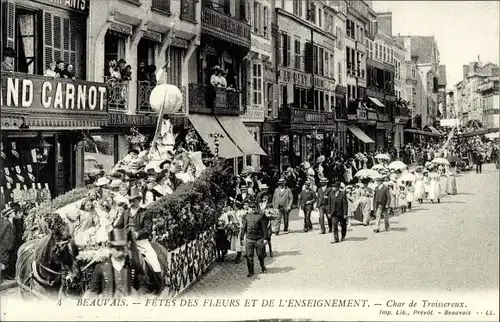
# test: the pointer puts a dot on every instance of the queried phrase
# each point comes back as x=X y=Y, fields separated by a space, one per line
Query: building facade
x=45 y=119
x=490 y=102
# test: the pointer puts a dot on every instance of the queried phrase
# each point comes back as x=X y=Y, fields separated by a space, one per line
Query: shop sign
x=118 y=119
x=311 y=117
x=384 y=126
x=34 y=92
x=295 y=77
x=383 y=118
x=253 y=113
x=323 y=83
x=372 y=116
x=78 y=5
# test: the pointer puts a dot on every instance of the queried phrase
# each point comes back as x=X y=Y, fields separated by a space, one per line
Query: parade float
x=190 y=192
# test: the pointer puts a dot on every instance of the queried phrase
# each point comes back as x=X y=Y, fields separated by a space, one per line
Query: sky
x=463 y=29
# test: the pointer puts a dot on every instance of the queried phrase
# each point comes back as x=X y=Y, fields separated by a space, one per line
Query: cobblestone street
x=451 y=246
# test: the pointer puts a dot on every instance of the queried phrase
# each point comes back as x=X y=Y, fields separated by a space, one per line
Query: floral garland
x=192 y=208
x=34 y=221
x=136 y=139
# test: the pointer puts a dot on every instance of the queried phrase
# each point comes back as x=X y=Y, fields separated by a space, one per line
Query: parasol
x=441 y=161
x=382 y=156
x=367 y=173
x=397 y=165
x=378 y=167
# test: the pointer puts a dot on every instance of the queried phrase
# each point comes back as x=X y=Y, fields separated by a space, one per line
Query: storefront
x=44 y=121
x=253 y=119
x=357 y=140
x=308 y=135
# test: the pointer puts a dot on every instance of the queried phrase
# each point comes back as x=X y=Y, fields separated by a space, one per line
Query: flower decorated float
x=183 y=196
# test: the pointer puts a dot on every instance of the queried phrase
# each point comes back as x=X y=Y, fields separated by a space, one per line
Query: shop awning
x=376 y=101
x=433 y=130
x=421 y=132
x=240 y=135
x=360 y=134
x=206 y=125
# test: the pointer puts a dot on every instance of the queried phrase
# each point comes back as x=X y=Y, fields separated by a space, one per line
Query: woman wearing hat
x=419 y=193
x=115 y=277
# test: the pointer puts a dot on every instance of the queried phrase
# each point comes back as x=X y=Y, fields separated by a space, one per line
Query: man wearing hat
x=307 y=198
x=283 y=201
x=115 y=277
x=322 y=205
x=9 y=55
x=337 y=205
x=141 y=225
x=381 y=202
x=255 y=230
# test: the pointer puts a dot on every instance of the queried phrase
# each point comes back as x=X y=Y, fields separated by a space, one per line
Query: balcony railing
x=117 y=95
x=162 y=5
x=144 y=89
x=288 y=114
x=403 y=111
x=188 y=10
x=225 y=27
x=205 y=98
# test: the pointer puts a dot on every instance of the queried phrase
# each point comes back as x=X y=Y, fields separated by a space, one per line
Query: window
x=348 y=27
x=376 y=50
x=257 y=84
x=332 y=66
x=353 y=34
x=315 y=59
x=174 y=71
x=339 y=71
x=297 y=7
x=327 y=65
x=256 y=17
x=288 y=50
x=269 y=94
x=320 y=17
x=297 y=54
x=26 y=42
x=266 y=22
x=321 y=57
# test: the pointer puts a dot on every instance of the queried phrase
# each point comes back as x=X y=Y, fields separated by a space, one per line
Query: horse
x=152 y=282
x=44 y=266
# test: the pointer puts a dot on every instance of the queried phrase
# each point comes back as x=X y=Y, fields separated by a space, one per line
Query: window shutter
x=66 y=40
x=47 y=35
x=308 y=62
x=280 y=49
x=11 y=24
x=275 y=101
x=57 y=38
x=288 y=49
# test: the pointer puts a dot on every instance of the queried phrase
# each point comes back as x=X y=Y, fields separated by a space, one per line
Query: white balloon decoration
x=168 y=95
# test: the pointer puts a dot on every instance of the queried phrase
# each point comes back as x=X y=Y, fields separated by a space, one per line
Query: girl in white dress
x=434 y=187
x=419 y=187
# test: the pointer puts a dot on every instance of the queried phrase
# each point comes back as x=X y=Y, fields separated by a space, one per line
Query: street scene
x=454 y=247
x=176 y=149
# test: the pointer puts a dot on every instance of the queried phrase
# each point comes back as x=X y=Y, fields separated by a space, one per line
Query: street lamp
x=216 y=136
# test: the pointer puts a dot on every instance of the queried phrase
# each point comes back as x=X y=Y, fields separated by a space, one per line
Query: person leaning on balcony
x=51 y=71
x=9 y=55
x=215 y=78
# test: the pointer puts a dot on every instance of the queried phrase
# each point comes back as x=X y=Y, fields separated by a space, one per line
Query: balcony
x=206 y=99
x=144 y=89
x=403 y=111
x=117 y=95
x=222 y=26
x=291 y=116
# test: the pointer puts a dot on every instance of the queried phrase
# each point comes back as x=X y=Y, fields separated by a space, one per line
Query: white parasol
x=367 y=173
x=441 y=161
x=382 y=156
x=407 y=177
x=378 y=167
x=396 y=165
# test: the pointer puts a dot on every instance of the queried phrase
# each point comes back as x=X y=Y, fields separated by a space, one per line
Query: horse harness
x=35 y=275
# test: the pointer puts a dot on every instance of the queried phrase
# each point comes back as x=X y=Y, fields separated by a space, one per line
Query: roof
x=423 y=47
x=442 y=75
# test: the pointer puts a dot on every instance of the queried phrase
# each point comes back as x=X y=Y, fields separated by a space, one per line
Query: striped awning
x=360 y=134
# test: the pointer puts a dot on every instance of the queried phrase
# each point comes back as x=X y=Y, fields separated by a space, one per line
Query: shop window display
x=23 y=166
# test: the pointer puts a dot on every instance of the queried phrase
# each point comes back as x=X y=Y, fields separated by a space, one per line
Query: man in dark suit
x=322 y=205
x=337 y=205
x=255 y=230
x=307 y=198
x=381 y=201
x=478 y=160
x=115 y=277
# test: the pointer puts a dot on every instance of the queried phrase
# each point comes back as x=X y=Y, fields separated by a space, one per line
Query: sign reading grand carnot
x=34 y=92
